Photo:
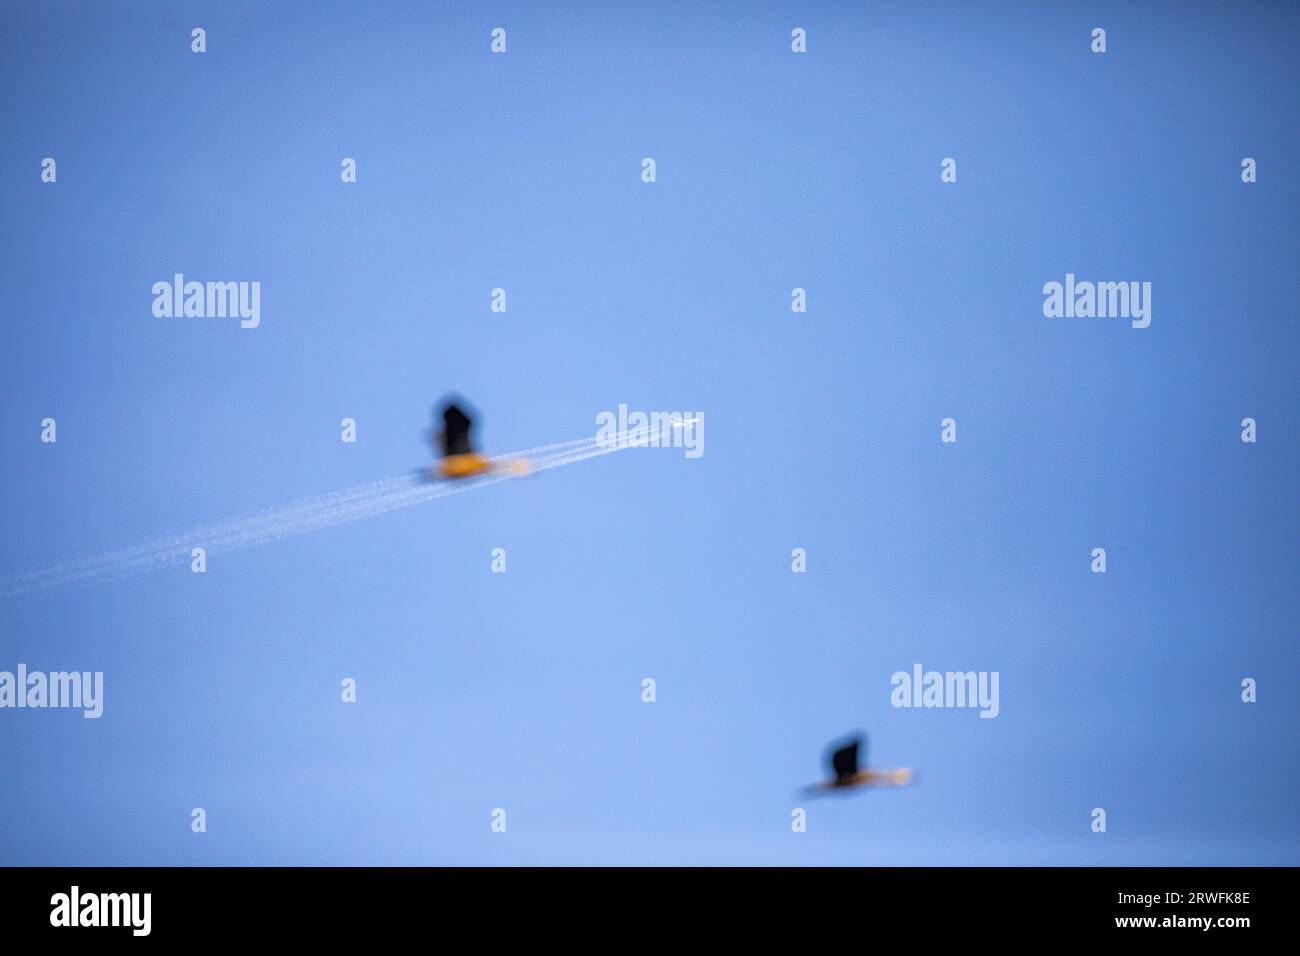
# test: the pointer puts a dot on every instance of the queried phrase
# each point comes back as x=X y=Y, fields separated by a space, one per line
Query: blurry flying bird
x=846 y=775
x=460 y=459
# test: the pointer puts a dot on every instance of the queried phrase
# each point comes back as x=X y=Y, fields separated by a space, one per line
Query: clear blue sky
x=522 y=690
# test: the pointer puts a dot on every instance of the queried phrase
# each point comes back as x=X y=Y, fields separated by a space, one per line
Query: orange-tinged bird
x=846 y=774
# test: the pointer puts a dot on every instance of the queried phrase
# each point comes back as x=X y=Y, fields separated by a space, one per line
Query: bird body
x=460 y=459
x=846 y=774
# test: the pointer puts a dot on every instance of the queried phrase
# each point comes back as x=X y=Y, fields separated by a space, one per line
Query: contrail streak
x=294 y=518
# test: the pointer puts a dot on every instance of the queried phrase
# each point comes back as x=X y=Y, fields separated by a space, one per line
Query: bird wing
x=455 y=434
x=844 y=761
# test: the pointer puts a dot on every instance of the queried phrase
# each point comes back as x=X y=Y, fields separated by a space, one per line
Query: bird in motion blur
x=845 y=761
x=460 y=459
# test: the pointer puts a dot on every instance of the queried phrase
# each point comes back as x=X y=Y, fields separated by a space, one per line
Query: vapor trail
x=294 y=518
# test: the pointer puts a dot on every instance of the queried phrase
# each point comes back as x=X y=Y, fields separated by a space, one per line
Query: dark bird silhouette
x=455 y=431
x=460 y=459
x=846 y=773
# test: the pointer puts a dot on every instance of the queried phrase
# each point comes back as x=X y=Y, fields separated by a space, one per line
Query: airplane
x=459 y=458
x=846 y=775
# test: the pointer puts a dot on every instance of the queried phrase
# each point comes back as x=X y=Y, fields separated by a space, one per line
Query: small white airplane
x=846 y=775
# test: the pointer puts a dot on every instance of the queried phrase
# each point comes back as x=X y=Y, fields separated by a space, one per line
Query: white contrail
x=298 y=517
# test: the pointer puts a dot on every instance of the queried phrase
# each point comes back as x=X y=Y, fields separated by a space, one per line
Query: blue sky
x=774 y=170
